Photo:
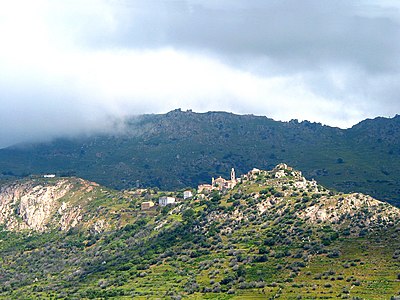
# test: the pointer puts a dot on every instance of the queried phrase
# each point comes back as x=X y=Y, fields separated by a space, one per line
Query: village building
x=252 y=174
x=219 y=183
x=254 y=171
x=49 y=175
x=187 y=194
x=147 y=205
x=281 y=170
x=164 y=201
x=283 y=166
x=204 y=188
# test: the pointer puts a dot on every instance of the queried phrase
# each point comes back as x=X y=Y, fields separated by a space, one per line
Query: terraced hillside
x=274 y=235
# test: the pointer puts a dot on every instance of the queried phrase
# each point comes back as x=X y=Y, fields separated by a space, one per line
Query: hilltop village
x=222 y=185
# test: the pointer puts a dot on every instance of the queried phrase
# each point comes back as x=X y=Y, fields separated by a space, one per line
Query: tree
x=188 y=215
x=241 y=271
x=215 y=196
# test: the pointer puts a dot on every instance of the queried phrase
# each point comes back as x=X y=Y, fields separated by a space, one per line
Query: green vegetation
x=266 y=238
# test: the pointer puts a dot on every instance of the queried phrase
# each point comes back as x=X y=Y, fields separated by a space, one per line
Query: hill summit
x=271 y=234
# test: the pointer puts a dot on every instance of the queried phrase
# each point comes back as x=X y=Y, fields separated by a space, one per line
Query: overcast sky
x=66 y=67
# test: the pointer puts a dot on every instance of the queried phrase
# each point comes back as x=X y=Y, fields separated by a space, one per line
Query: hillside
x=42 y=204
x=273 y=235
x=182 y=149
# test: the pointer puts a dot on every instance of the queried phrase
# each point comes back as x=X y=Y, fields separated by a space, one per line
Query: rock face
x=36 y=205
x=354 y=209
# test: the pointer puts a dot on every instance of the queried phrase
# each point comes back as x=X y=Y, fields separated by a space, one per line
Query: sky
x=77 y=67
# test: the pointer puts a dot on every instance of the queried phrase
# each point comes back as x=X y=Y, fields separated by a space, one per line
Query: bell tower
x=233 y=175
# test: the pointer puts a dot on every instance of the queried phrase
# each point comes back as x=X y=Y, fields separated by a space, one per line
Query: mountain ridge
x=181 y=149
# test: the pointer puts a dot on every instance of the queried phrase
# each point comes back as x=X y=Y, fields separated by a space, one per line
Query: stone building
x=147 y=205
x=219 y=183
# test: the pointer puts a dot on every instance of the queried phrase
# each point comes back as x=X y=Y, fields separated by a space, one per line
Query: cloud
x=66 y=66
x=294 y=34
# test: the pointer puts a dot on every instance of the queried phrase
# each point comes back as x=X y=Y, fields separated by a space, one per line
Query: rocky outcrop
x=352 y=208
x=39 y=205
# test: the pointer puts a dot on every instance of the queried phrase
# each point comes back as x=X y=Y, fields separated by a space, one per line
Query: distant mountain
x=182 y=149
x=275 y=234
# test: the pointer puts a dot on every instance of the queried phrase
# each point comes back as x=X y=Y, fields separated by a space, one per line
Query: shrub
x=269 y=242
x=261 y=258
x=334 y=254
x=241 y=271
x=227 y=279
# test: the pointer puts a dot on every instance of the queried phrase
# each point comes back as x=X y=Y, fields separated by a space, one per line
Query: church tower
x=233 y=175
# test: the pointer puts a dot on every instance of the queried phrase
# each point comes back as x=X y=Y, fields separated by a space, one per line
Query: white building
x=49 y=175
x=187 y=194
x=163 y=201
